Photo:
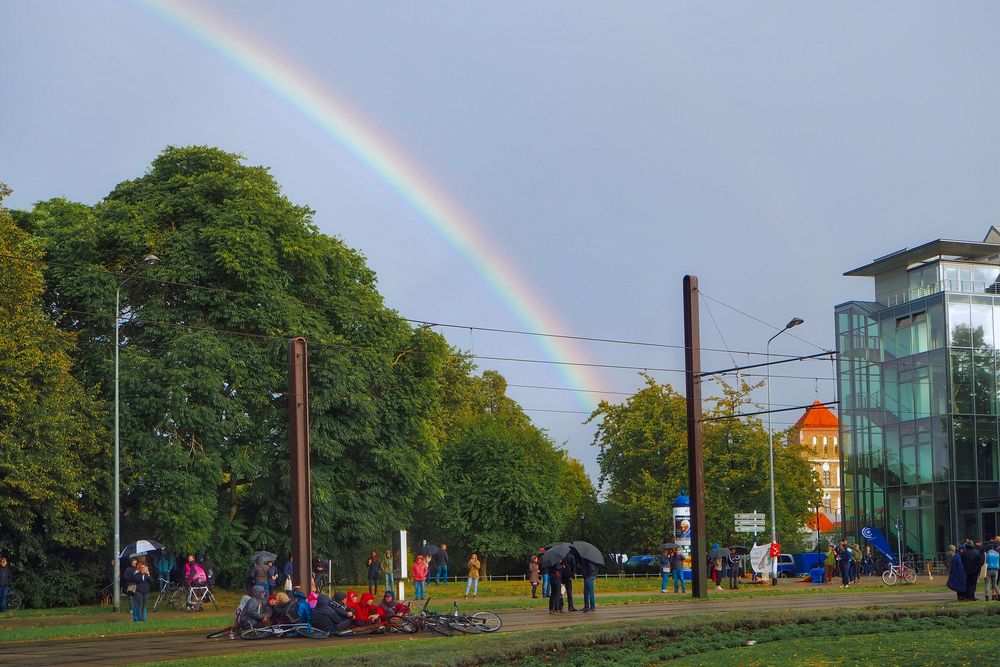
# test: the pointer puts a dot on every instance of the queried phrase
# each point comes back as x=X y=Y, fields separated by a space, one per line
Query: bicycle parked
x=171 y=595
x=897 y=572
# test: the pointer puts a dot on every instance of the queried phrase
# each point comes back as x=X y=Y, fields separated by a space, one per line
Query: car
x=639 y=564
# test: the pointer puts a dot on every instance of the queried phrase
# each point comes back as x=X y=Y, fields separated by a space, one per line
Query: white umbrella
x=140 y=547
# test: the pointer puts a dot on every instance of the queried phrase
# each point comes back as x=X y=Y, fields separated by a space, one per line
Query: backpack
x=197 y=574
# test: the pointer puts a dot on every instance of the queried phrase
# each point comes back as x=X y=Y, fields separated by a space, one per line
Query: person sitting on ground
x=327 y=617
x=392 y=607
x=279 y=605
x=254 y=613
x=353 y=603
x=369 y=610
x=298 y=609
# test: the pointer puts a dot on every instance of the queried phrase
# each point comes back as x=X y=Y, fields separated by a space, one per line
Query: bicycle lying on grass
x=449 y=624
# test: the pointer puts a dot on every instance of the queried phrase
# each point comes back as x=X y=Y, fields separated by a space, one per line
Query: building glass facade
x=919 y=404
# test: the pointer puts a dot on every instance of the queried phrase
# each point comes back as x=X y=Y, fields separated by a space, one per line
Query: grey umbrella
x=721 y=552
x=667 y=545
x=266 y=555
x=554 y=554
x=588 y=551
x=429 y=549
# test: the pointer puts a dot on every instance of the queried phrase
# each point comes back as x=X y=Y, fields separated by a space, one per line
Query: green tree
x=53 y=449
x=643 y=459
x=203 y=361
x=506 y=489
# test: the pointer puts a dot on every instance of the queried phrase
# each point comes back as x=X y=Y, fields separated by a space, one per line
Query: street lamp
x=148 y=260
x=794 y=322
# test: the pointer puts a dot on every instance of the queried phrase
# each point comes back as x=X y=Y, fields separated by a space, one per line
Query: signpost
x=749 y=522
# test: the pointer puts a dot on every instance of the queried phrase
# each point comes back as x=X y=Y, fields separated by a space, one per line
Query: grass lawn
x=499 y=596
x=935 y=647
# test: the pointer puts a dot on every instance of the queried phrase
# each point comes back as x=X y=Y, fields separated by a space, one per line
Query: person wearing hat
x=254 y=612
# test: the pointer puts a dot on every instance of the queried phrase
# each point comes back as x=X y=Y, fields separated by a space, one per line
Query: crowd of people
x=331 y=614
x=971 y=563
x=137 y=578
x=557 y=582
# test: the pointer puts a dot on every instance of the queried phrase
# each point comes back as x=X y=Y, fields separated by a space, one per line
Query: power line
x=757 y=319
x=343 y=307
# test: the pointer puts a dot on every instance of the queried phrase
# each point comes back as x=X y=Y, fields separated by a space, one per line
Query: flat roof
x=967 y=250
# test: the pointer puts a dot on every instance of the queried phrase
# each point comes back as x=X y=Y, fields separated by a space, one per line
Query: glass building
x=919 y=404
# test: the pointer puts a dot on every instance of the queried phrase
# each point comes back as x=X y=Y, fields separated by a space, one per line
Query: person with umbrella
x=589 y=570
x=262 y=576
x=717 y=560
x=441 y=564
x=555 y=587
x=733 y=561
x=545 y=573
x=664 y=562
x=677 y=569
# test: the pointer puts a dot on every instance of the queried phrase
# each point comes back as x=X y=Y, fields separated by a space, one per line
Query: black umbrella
x=740 y=549
x=266 y=555
x=429 y=550
x=721 y=552
x=555 y=553
x=588 y=551
x=668 y=545
x=140 y=547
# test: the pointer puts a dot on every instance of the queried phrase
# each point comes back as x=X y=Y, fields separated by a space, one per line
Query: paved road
x=125 y=649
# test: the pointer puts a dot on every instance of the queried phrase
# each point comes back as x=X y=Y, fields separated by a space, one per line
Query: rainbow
x=312 y=98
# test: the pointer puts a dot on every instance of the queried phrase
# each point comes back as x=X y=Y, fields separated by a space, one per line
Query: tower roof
x=817 y=415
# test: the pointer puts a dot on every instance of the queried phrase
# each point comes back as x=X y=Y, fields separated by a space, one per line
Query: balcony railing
x=962 y=286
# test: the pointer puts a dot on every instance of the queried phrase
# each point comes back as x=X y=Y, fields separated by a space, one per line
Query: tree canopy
x=643 y=460
x=204 y=374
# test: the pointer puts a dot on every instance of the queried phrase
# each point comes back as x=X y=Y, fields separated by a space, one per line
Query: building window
x=826 y=478
x=814 y=443
x=827 y=504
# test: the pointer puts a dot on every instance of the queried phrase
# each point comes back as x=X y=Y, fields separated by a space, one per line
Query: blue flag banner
x=877 y=540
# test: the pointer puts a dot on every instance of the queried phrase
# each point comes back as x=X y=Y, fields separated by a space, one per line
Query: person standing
x=677 y=569
x=473 y=580
x=972 y=563
x=664 y=562
x=555 y=588
x=830 y=563
x=844 y=563
x=142 y=581
x=545 y=574
x=390 y=580
x=857 y=557
x=589 y=571
x=441 y=565
x=567 y=575
x=419 y=577
x=533 y=574
x=5 y=580
x=261 y=576
x=992 y=569
x=734 y=570
x=287 y=570
x=374 y=570
x=956 y=573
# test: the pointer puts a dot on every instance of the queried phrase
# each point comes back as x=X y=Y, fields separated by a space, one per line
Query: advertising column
x=682 y=529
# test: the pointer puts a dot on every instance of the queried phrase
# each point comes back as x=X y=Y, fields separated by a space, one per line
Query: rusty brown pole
x=696 y=464
x=298 y=431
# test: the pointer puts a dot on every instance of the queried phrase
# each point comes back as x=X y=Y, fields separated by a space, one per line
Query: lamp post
x=794 y=322
x=148 y=260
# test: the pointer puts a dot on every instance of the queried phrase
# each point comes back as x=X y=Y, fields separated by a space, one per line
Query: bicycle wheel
x=227 y=633
x=441 y=627
x=13 y=601
x=401 y=624
x=311 y=632
x=257 y=633
x=487 y=621
x=909 y=575
x=889 y=577
x=464 y=624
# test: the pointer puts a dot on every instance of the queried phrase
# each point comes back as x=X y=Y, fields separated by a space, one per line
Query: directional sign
x=755 y=516
x=749 y=529
x=750 y=523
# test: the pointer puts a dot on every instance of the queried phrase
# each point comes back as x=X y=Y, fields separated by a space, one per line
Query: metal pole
x=696 y=465
x=298 y=431
x=770 y=450
x=118 y=545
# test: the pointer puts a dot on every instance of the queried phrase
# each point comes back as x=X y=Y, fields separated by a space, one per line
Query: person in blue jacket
x=298 y=609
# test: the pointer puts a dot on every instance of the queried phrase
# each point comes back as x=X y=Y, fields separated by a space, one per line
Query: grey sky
x=605 y=148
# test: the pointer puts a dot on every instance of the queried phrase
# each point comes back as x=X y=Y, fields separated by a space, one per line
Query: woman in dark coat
x=142 y=581
x=956 y=575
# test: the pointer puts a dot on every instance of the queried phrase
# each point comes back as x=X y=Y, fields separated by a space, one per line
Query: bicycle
x=198 y=597
x=284 y=630
x=170 y=595
x=14 y=600
x=897 y=572
x=431 y=620
x=480 y=621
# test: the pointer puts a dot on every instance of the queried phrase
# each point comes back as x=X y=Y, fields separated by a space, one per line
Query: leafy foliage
x=53 y=448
